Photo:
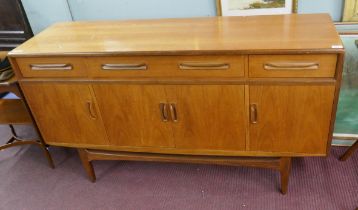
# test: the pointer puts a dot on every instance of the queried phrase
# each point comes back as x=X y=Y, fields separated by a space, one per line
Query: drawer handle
x=60 y=67
x=291 y=66
x=164 y=111
x=203 y=66
x=253 y=113
x=173 y=112
x=117 y=66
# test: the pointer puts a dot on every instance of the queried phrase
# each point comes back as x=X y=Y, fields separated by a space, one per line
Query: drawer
x=166 y=66
x=52 y=67
x=316 y=65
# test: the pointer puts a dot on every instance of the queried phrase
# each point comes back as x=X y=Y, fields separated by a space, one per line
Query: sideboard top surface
x=294 y=32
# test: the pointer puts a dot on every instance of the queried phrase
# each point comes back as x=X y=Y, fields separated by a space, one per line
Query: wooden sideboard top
x=296 y=32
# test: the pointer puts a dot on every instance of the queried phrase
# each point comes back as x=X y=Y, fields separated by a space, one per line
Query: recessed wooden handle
x=291 y=66
x=173 y=112
x=253 y=113
x=122 y=66
x=203 y=66
x=91 y=110
x=163 y=107
x=51 y=67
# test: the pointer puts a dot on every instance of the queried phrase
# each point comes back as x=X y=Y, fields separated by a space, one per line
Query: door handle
x=163 y=107
x=253 y=113
x=173 y=112
x=91 y=110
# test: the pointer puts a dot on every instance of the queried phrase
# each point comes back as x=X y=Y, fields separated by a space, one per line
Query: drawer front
x=52 y=67
x=292 y=65
x=166 y=66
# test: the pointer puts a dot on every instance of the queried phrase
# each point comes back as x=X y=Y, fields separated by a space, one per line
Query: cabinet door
x=66 y=113
x=133 y=116
x=209 y=116
x=290 y=118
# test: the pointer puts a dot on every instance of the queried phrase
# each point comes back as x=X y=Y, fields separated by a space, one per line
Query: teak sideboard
x=251 y=91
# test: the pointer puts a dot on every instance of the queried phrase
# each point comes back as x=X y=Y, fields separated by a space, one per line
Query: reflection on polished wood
x=186 y=36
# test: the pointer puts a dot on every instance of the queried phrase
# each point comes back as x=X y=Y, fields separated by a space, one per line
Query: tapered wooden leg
x=349 y=152
x=87 y=164
x=285 y=169
x=48 y=155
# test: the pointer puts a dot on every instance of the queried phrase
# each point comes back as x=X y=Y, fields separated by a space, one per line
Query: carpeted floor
x=28 y=183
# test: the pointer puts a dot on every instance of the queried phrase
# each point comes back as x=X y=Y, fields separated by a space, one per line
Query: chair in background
x=16 y=111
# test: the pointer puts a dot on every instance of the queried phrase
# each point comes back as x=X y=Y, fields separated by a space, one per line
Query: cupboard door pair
x=198 y=116
x=290 y=118
x=66 y=113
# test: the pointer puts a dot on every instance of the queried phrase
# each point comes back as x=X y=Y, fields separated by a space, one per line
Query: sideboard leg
x=48 y=155
x=349 y=152
x=87 y=164
x=285 y=169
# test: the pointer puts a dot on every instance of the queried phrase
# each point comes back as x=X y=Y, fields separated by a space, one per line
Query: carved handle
x=203 y=66
x=163 y=111
x=173 y=112
x=291 y=66
x=121 y=66
x=91 y=110
x=253 y=113
x=60 y=67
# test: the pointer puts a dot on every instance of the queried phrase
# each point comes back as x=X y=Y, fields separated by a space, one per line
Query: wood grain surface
x=63 y=114
x=186 y=36
x=291 y=118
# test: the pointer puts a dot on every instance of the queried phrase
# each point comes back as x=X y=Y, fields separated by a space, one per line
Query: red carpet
x=28 y=183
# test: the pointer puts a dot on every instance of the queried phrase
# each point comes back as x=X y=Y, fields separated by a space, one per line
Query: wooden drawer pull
x=91 y=110
x=253 y=113
x=59 y=67
x=203 y=66
x=173 y=112
x=164 y=111
x=291 y=66
x=118 y=66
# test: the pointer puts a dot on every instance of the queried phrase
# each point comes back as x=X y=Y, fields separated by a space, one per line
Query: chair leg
x=87 y=164
x=15 y=140
x=349 y=152
x=285 y=169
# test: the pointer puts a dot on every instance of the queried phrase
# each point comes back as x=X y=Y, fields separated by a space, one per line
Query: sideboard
x=250 y=91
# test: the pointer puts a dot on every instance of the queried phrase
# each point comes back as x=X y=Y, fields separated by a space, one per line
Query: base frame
x=282 y=164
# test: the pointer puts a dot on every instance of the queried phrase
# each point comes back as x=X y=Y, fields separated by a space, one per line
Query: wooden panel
x=186 y=35
x=65 y=113
x=72 y=67
x=167 y=66
x=292 y=65
x=132 y=115
x=209 y=116
x=291 y=118
x=13 y=111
